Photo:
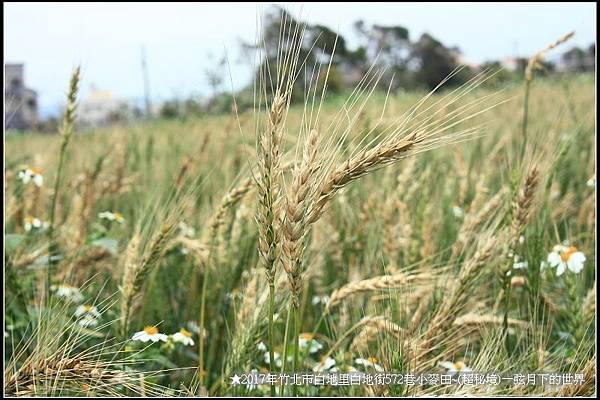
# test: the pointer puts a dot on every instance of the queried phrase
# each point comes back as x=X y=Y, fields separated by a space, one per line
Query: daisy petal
x=554 y=259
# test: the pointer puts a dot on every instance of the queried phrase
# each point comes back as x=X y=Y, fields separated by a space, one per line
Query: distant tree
x=281 y=39
x=215 y=73
x=389 y=47
x=579 y=60
x=316 y=47
x=500 y=75
x=433 y=62
x=191 y=106
x=169 y=109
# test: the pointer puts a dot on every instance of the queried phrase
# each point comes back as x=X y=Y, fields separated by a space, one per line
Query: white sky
x=106 y=38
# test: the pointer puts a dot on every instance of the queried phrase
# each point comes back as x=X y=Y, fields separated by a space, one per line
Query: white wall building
x=99 y=108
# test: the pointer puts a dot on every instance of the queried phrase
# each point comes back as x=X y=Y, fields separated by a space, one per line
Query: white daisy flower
x=316 y=300
x=276 y=357
x=185 y=230
x=592 y=182
x=87 y=309
x=88 y=321
x=305 y=338
x=88 y=315
x=563 y=257
x=68 y=292
x=27 y=175
x=324 y=365
x=370 y=362
x=184 y=337
x=520 y=265
x=38 y=180
x=32 y=223
x=455 y=367
x=458 y=212
x=111 y=216
x=149 y=333
x=261 y=347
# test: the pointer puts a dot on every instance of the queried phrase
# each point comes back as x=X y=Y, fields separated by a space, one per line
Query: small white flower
x=111 y=216
x=87 y=309
x=149 y=333
x=520 y=265
x=184 y=337
x=261 y=347
x=305 y=338
x=32 y=223
x=27 y=175
x=68 y=292
x=88 y=321
x=592 y=182
x=370 y=362
x=24 y=176
x=276 y=357
x=316 y=300
x=521 y=239
x=455 y=367
x=38 y=180
x=324 y=365
x=458 y=212
x=563 y=257
x=185 y=230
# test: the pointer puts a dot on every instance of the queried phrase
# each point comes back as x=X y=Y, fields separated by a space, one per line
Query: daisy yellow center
x=372 y=360
x=35 y=171
x=185 y=332
x=459 y=366
x=29 y=220
x=151 y=330
x=87 y=308
x=306 y=336
x=565 y=255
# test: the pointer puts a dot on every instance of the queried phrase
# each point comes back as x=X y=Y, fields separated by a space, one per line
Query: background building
x=101 y=108
x=20 y=103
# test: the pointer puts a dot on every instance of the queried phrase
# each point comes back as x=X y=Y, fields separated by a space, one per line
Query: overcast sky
x=182 y=40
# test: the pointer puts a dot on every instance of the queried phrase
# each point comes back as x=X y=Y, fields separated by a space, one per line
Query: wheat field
x=419 y=233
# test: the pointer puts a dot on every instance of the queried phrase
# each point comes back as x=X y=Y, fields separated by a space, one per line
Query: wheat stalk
x=374 y=284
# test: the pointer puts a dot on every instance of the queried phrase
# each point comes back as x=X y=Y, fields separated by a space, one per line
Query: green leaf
x=11 y=241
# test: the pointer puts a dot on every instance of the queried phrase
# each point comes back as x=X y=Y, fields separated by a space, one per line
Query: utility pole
x=146 y=84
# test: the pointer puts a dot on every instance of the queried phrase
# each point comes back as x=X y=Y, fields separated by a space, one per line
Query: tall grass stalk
x=66 y=131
